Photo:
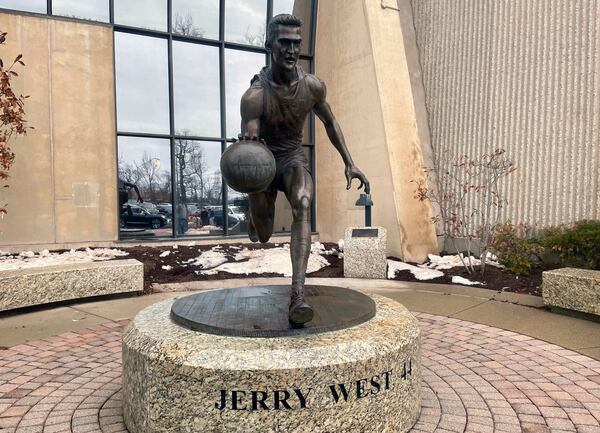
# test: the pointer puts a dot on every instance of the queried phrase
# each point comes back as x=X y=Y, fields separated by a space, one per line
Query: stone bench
x=42 y=285
x=572 y=289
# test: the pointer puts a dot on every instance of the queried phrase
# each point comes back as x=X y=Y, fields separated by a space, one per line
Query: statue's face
x=285 y=47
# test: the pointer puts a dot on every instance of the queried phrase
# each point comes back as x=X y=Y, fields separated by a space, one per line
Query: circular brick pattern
x=476 y=379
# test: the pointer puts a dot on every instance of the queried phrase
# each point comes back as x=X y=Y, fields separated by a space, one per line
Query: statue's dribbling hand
x=250 y=138
x=352 y=172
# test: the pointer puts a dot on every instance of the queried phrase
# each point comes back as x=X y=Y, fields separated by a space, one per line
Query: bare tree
x=257 y=38
x=148 y=170
x=469 y=198
x=184 y=25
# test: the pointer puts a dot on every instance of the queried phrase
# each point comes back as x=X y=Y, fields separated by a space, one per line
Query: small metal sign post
x=365 y=200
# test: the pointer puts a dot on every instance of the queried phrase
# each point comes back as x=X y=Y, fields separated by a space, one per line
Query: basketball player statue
x=274 y=109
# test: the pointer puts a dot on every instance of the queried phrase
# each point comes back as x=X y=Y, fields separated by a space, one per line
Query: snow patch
x=208 y=259
x=465 y=281
x=165 y=253
x=28 y=259
x=272 y=260
x=420 y=273
x=167 y=267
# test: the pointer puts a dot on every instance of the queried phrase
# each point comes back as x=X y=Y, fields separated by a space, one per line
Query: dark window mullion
x=172 y=124
x=223 y=111
x=141 y=31
x=49 y=7
x=111 y=11
x=143 y=135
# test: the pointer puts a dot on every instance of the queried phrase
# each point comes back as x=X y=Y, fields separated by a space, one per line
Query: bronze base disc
x=263 y=311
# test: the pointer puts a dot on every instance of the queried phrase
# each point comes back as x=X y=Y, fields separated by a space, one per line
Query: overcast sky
x=87 y=9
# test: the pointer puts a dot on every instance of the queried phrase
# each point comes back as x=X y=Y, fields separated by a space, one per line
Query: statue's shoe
x=301 y=312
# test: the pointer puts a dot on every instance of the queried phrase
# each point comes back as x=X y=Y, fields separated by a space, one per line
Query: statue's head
x=284 y=40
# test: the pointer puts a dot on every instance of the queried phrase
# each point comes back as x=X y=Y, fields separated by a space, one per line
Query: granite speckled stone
x=365 y=257
x=572 y=289
x=173 y=377
x=34 y=286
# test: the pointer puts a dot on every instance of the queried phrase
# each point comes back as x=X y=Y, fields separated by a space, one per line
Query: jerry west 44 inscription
x=297 y=398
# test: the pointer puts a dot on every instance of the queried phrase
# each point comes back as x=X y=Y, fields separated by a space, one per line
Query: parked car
x=137 y=216
x=236 y=212
x=165 y=209
x=217 y=219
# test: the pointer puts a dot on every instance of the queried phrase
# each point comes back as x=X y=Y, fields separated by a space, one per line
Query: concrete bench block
x=34 y=286
x=365 y=252
x=572 y=289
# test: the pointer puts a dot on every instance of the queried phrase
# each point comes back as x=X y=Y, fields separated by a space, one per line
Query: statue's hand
x=352 y=172
x=250 y=138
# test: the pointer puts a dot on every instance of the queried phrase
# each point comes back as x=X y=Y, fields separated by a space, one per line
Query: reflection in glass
x=198 y=188
x=145 y=164
x=25 y=5
x=96 y=10
x=148 y=14
x=245 y=21
x=198 y=18
x=142 y=84
x=238 y=210
x=240 y=67
x=300 y=8
x=196 y=90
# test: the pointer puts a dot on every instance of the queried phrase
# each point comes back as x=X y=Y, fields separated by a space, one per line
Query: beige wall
x=523 y=75
x=63 y=182
x=361 y=56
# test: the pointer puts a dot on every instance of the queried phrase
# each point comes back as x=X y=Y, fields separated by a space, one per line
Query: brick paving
x=476 y=379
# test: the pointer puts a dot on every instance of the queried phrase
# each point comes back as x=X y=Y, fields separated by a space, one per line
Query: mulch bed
x=494 y=278
x=155 y=274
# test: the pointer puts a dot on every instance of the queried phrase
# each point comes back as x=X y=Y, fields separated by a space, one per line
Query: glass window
x=199 y=18
x=25 y=5
x=240 y=67
x=245 y=21
x=148 y=14
x=145 y=164
x=96 y=10
x=196 y=90
x=198 y=188
x=301 y=9
x=142 y=84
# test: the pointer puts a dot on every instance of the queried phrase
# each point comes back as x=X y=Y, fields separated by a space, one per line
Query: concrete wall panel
x=84 y=132
x=360 y=55
x=30 y=197
x=522 y=75
x=63 y=184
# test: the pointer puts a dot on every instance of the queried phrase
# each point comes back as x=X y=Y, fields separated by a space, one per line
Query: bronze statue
x=274 y=109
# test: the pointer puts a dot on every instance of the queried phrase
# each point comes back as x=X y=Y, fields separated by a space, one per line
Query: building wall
x=361 y=56
x=522 y=75
x=63 y=182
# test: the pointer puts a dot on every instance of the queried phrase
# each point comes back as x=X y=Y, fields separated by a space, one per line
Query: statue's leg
x=299 y=191
x=262 y=215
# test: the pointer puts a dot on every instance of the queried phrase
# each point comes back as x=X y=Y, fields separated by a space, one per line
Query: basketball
x=248 y=166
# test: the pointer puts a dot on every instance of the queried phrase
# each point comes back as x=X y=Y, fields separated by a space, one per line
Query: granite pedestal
x=365 y=252
x=364 y=378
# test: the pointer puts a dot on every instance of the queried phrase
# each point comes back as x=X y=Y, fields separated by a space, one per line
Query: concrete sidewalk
x=522 y=314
